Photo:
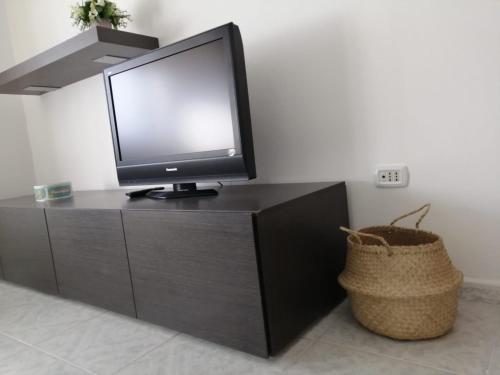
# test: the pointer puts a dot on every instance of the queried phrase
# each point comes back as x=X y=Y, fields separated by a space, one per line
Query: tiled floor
x=40 y=334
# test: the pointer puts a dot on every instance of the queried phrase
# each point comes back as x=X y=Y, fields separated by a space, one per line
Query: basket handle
x=358 y=235
x=425 y=207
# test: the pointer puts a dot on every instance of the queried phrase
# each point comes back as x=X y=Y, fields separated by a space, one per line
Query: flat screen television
x=180 y=114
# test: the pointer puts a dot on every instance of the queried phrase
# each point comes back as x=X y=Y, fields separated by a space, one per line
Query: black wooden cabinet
x=197 y=272
x=90 y=258
x=25 y=255
x=302 y=251
x=251 y=268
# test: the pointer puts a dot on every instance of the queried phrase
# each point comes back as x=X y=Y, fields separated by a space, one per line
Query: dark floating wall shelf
x=80 y=57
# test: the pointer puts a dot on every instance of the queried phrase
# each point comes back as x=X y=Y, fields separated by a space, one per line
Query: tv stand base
x=181 y=191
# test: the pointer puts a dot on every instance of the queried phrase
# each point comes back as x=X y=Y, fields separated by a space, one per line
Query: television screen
x=178 y=105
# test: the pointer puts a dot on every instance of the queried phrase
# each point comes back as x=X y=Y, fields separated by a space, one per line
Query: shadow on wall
x=302 y=102
x=148 y=17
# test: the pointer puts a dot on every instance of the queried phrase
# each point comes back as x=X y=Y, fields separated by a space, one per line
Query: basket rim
x=379 y=248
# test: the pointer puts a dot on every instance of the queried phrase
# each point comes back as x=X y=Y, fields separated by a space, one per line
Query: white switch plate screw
x=393 y=176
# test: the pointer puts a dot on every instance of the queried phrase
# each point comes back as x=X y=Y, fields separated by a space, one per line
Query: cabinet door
x=90 y=257
x=197 y=273
x=25 y=255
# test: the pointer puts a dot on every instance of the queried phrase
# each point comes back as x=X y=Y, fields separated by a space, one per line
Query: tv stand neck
x=185 y=190
x=185 y=187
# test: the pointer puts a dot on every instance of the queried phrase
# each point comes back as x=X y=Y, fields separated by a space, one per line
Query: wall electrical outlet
x=393 y=176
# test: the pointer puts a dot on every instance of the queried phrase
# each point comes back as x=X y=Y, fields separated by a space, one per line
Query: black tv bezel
x=200 y=166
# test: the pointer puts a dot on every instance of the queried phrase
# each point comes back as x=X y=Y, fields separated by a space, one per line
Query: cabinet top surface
x=231 y=198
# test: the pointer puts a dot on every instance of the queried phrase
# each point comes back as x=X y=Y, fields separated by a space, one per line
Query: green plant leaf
x=89 y=12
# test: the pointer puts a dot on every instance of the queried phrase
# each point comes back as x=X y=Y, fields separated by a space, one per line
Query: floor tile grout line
x=409 y=361
x=388 y=356
x=28 y=302
x=70 y=326
x=145 y=354
x=490 y=361
x=54 y=356
x=301 y=354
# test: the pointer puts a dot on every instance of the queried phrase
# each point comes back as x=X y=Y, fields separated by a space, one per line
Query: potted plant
x=102 y=13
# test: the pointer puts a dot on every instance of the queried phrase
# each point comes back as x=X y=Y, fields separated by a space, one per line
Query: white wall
x=336 y=87
x=16 y=166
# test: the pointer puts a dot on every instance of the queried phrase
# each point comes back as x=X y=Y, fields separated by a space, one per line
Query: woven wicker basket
x=400 y=281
